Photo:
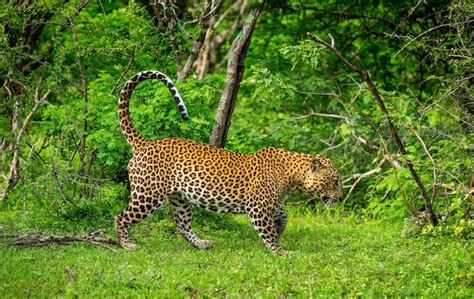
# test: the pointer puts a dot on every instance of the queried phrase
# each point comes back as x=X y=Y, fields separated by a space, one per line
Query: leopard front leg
x=262 y=219
x=280 y=218
x=182 y=211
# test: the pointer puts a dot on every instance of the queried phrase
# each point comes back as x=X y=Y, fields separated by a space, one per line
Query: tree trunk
x=235 y=71
x=198 y=42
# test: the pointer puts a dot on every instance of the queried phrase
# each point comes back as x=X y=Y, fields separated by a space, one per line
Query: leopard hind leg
x=139 y=207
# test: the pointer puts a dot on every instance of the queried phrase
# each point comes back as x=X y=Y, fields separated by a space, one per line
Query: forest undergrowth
x=330 y=255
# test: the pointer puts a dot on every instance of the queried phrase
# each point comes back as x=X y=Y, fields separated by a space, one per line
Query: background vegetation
x=63 y=157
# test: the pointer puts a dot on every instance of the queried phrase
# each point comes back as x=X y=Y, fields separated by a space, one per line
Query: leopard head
x=322 y=180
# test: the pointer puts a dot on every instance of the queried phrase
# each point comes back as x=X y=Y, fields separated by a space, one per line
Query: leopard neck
x=293 y=166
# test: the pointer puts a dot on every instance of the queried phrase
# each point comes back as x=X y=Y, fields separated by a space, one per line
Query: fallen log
x=37 y=238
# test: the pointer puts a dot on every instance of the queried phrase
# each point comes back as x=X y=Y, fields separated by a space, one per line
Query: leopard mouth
x=327 y=200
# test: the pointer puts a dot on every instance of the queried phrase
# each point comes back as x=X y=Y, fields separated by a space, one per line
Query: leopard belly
x=213 y=201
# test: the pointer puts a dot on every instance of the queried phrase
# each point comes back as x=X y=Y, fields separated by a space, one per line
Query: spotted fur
x=186 y=173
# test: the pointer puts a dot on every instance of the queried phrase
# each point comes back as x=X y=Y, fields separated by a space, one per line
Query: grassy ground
x=330 y=258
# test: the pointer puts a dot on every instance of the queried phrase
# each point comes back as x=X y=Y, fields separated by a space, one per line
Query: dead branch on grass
x=36 y=238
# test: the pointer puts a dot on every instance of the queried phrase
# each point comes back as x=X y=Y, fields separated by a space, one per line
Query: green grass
x=331 y=258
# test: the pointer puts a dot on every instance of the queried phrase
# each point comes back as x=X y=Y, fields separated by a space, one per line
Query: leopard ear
x=316 y=164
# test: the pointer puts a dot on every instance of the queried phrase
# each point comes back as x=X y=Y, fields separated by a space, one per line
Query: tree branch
x=205 y=15
x=428 y=31
x=393 y=132
x=322 y=115
x=359 y=176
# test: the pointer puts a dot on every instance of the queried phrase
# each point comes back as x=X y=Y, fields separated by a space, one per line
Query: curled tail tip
x=185 y=116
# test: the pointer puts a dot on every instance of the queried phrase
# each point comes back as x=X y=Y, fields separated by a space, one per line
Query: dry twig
x=428 y=31
x=36 y=238
x=359 y=176
x=14 y=172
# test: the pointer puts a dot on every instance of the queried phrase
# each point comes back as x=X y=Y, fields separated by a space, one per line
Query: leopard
x=185 y=173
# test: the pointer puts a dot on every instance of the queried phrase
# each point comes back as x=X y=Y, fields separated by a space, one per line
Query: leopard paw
x=205 y=244
x=129 y=246
x=282 y=252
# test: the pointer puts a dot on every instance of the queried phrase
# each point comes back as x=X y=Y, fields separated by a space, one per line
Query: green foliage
x=295 y=95
x=61 y=198
x=463 y=229
x=305 y=52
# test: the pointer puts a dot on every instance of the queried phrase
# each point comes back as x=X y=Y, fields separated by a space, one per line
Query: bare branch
x=38 y=101
x=125 y=71
x=393 y=132
x=14 y=172
x=36 y=238
x=331 y=147
x=428 y=31
x=368 y=173
x=332 y=40
x=425 y=148
x=339 y=55
x=56 y=180
x=322 y=115
x=231 y=8
x=206 y=15
x=359 y=176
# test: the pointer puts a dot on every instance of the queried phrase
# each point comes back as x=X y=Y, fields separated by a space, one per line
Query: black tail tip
x=184 y=116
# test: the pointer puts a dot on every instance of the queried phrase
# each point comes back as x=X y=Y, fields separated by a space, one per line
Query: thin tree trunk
x=207 y=59
x=235 y=71
x=168 y=13
x=393 y=132
x=199 y=41
x=14 y=172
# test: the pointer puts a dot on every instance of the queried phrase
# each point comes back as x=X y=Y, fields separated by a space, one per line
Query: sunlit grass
x=331 y=257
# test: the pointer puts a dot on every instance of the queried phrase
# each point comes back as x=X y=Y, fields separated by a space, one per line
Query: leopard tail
x=131 y=134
